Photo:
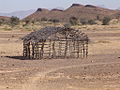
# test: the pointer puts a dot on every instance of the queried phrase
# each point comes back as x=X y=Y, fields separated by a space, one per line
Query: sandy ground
x=100 y=71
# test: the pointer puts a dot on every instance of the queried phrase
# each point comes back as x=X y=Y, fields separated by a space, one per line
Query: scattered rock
x=84 y=78
x=91 y=61
x=85 y=67
x=118 y=57
x=7 y=87
x=9 y=39
x=13 y=64
x=13 y=36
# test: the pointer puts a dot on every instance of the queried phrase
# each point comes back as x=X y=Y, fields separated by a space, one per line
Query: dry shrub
x=103 y=41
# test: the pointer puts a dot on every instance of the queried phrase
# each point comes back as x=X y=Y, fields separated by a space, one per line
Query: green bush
x=54 y=20
x=14 y=21
x=73 y=21
x=1 y=22
x=27 y=21
x=4 y=21
x=91 y=22
x=83 y=21
x=67 y=25
x=43 y=19
x=98 y=17
x=106 y=20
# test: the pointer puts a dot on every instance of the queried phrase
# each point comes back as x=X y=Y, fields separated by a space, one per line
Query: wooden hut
x=55 y=42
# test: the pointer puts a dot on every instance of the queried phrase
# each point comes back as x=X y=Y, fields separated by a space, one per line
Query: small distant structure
x=55 y=42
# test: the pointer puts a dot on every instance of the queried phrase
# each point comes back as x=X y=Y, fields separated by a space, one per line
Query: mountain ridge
x=75 y=10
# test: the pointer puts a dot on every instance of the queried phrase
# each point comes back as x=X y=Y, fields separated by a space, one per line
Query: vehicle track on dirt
x=32 y=83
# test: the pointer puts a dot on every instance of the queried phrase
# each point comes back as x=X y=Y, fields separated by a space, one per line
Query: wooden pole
x=49 y=48
x=78 y=49
x=66 y=48
x=59 y=51
x=42 y=51
x=74 y=49
x=24 y=49
x=86 y=48
x=83 y=50
x=53 y=50
x=28 y=50
x=33 y=51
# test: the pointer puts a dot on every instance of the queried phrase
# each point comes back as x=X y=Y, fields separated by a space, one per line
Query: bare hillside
x=76 y=10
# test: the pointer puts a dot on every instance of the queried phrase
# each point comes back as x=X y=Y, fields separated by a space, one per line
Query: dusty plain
x=100 y=71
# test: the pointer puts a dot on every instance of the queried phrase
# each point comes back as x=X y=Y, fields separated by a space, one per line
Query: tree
x=54 y=20
x=98 y=17
x=4 y=21
x=67 y=25
x=27 y=21
x=14 y=21
x=106 y=20
x=73 y=21
x=44 y=19
x=1 y=22
x=83 y=21
x=91 y=22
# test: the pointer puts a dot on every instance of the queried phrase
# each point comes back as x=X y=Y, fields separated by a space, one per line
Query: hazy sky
x=16 y=5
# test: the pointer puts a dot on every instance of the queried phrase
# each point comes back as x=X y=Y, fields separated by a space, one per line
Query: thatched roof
x=45 y=33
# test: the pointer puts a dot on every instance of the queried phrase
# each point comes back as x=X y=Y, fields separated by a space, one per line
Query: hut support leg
x=66 y=48
x=78 y=48
x=53 y=48
x=42 y=51
x=24 y=50
x=59 y=53
x=28 y=51
x=83 y=50
x=33 y=51
x=50 y=49
x=86 y=49
x=74 y=50
x=37 y=51
x=71 y=49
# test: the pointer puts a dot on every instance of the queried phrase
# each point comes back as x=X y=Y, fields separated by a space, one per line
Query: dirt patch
x=100 y=71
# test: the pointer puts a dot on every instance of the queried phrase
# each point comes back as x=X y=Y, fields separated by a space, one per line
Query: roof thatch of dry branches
x=44 y=33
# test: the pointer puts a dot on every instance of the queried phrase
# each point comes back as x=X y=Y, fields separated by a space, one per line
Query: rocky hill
x=76 y=10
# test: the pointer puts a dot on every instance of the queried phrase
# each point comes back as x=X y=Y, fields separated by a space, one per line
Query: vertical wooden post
x=28 y=50
x=49 y=48
x=37 y=51
x=53 y=49
x=42 y=50
x=71 y=48
x=66 y=48
x=78 y=49
x=59 y=51
x=24 y=49
x=33 y=51
x=74 y=55
x=84 y=50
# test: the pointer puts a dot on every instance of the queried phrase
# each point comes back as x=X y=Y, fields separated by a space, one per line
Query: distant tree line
x=13 y=21
x=84 y=21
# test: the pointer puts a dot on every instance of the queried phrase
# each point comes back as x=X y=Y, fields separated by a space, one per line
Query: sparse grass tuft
x=103 y=41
